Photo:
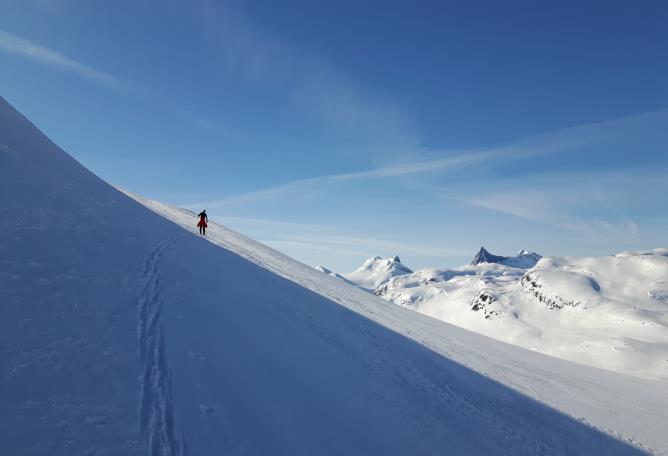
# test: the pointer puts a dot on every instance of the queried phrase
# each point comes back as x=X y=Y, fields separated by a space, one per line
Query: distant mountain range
x=609 y=312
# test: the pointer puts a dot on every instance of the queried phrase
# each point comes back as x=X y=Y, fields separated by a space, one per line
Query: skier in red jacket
x=202 y=222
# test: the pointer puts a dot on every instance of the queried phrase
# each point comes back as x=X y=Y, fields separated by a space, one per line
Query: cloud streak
x=381 y=172
x=544 y=144
x=310 y=82
x=596 y=205
x=27 y=49
x=523 y=205
x=297 y=238
x=267 y=223
x=371 y=246
x=531 y=147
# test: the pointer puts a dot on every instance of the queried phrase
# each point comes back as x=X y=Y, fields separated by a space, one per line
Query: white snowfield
x=607 y=312
x=126 y=334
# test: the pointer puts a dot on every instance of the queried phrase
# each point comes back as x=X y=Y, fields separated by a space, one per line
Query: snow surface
x=126 y=334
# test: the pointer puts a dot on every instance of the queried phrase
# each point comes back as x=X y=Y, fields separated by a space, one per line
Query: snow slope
x=607 y=312
x=125 y=334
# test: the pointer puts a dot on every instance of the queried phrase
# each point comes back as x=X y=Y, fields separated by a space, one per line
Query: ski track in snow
x=156 y=414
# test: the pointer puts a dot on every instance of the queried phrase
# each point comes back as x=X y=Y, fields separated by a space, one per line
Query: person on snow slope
x=202 y=222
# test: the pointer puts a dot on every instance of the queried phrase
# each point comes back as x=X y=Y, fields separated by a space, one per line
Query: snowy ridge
x=249 y=351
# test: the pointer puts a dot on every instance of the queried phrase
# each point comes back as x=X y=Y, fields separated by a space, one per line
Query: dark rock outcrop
x=483 y=256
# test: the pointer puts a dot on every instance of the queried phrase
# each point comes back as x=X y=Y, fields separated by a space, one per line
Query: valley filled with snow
x=124 y=332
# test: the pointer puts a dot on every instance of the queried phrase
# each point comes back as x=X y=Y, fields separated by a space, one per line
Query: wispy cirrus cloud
x=544 y=144
x=40 y=54
x=553 y=142
x=310 y=83
x=397 y=170
x=269 y=223
x=371 y=246
x=540 y=208
x=595 y=205
x=249 y=51
x=305 y=238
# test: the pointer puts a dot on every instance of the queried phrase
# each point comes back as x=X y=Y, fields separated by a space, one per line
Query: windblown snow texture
x=125 y=334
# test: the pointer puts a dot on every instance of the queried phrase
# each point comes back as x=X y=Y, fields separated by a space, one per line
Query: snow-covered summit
x=376 y=270
x=483 y=256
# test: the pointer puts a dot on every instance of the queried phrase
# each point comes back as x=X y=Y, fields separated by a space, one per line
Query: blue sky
x=334 y=131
